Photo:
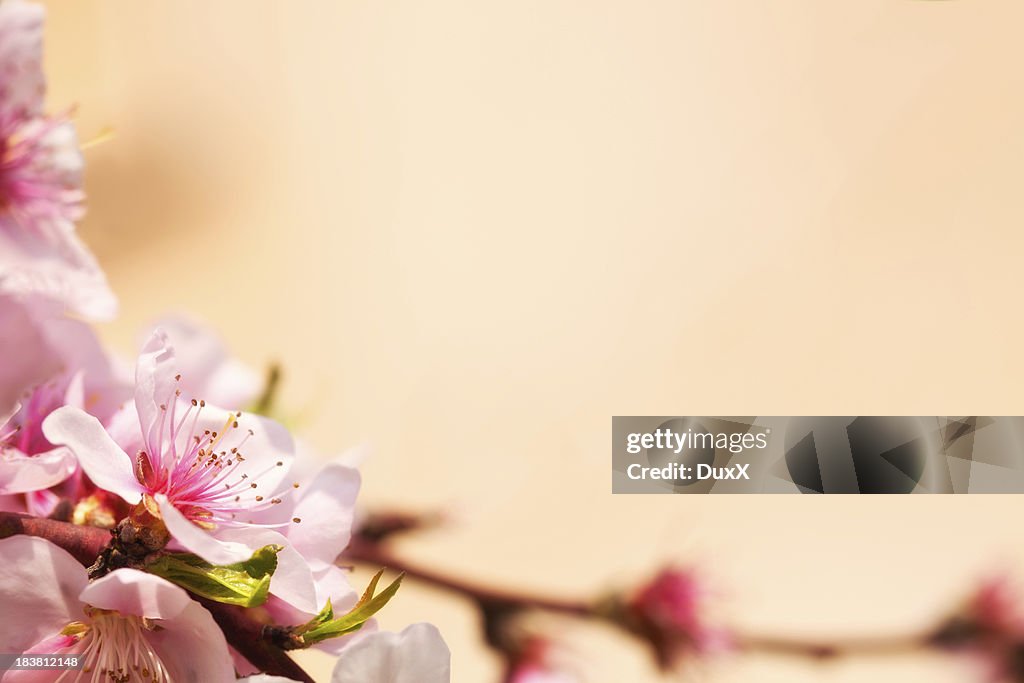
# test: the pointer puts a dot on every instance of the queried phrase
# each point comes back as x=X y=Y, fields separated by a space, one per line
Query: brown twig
x=85 y=543
x=819 y=649
x=378 y=555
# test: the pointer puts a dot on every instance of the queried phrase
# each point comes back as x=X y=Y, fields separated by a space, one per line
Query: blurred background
x=473 y=232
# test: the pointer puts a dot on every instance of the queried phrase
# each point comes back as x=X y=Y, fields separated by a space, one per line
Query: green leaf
x=244 y=583
x=324 y=625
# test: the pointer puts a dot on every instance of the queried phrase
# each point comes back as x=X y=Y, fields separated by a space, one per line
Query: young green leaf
x=244 y=583
x=325 y=625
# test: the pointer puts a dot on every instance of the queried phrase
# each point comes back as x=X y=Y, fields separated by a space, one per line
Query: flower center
x=36 y=181
x=115 y=649
x=204 y=472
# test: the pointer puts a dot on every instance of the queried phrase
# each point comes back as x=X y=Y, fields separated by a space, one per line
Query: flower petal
x=107 y=465
x=155 y=385
x=53 y=262
x=264 y=678
x=39 y=588
x=197 y=540
x=193 y=648
x=326 y=511
x=20 y=473
x=416 y=655
x=130 y=591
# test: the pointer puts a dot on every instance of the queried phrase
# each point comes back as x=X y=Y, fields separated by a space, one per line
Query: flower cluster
x=208 y=512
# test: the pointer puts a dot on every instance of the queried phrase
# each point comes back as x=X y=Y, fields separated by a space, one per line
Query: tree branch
x=490 y=600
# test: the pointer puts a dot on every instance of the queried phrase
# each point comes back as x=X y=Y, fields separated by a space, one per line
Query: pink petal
x=155 y=384
x=130 y=591
x=193 y=648
x=207 y=370
x=197 y=540
x=326 y=510
x=103 y=460
x=264 y=678
x=24 y=339
x=20 y=473
x=416 y=655
x=39 y=588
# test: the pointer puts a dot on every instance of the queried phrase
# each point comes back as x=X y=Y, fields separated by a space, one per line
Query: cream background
x=475 y=231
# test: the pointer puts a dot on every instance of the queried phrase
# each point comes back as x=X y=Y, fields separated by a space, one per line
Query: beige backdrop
x=475 y=231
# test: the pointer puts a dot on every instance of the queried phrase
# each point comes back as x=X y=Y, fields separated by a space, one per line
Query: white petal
x=193 y=648
x=107 y=465
x=130 y=591
x=155 y=385
x=52 y=262
x=416 y=655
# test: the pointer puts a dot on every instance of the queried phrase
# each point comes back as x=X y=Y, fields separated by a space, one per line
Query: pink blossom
x=996 y=608
x=127 y=621
x=56 y=361
x=208 y=473
x=536 y=663
x=40 y=181
x=670 y=612
x=989 y=629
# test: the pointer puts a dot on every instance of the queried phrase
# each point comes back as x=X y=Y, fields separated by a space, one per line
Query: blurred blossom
x=40 y=181
x=536 y=663
x=990 y=629
x=997 y=609
x=670 y=613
